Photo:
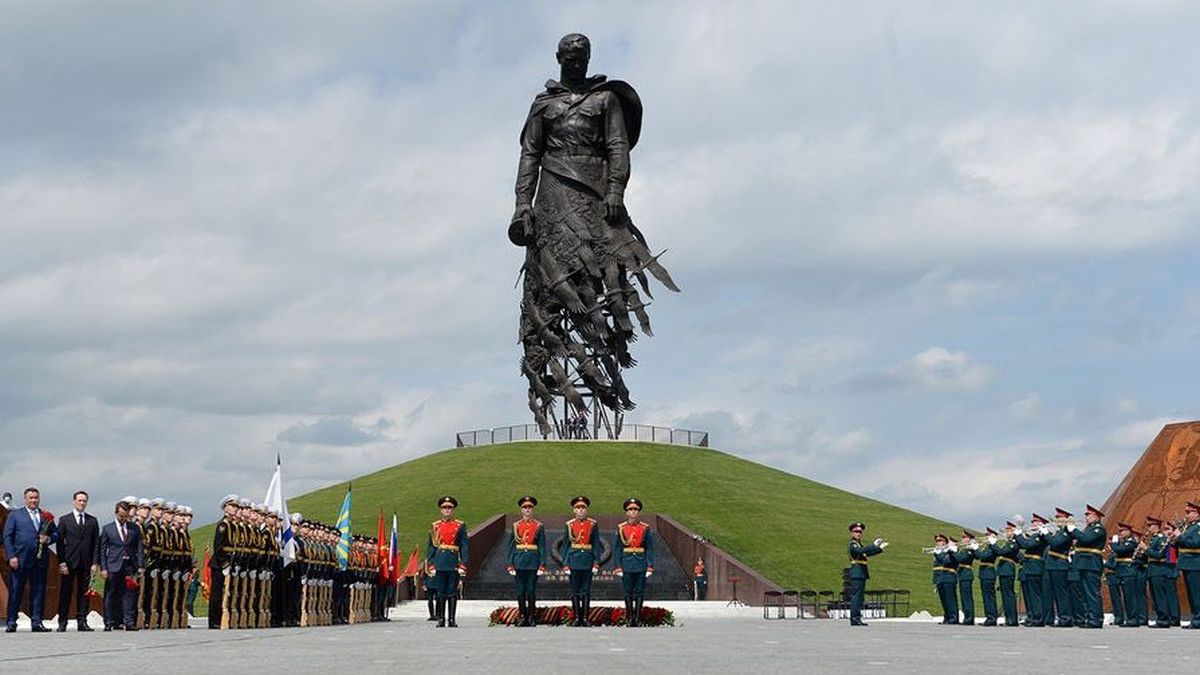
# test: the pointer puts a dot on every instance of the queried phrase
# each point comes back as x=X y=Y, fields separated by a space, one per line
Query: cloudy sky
x=939 y=253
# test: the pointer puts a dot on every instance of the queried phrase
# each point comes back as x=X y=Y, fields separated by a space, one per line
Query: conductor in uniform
x=859 y=572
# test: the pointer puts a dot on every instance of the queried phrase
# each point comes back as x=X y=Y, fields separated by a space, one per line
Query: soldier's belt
x=447 y=547
x=635 y=550
x=944 y=569
x=1081 y=549
x=581 y=546
x=1056 y=554
x=1032 y=556
x=1124 y=560
x=986 y=564
x=1188 y=550
x=852 y=562
x=527 y=547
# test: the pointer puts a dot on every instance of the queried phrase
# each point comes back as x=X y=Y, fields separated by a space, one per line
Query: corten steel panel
x=719 y=565
x=1165 y=477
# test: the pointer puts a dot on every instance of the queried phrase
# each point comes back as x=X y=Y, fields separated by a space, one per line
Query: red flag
x=206 y=575
x=382 y=547
x=414 y=564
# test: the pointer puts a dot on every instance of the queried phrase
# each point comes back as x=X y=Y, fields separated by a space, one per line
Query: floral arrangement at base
x=563 y=615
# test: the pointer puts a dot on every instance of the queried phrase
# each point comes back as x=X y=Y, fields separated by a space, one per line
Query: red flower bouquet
x=562 y=615
x=44 y=529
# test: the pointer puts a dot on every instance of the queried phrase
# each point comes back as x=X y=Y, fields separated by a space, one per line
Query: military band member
x=859 y=569
x=1007 y=555
x=987 y=556
x=1113 y=580
x=945 y=577
x=447 y=560
x=581 y=555
x=1141 y=566
x=1057 y=564
x=1075 y=591
x=633 y=549
x=1157 y=550
x=965 y=557
x=527 y=559
x=1188 y=545
x=1088 y=561
x=1123 y=545
x=1033 y=548
x=1171 y=531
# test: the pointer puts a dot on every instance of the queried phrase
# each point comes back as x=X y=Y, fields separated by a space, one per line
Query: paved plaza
x=709 y=638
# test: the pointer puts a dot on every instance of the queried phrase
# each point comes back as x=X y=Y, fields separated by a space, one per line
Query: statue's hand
x=520 y=229
x=614 y=207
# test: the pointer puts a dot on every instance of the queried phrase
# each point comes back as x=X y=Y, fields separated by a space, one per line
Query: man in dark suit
x=78 y=537
x=28 y=533
x=121 y=562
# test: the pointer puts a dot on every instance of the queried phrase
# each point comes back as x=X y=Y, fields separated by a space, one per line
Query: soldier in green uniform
x=945 y=577
x=1123 y=545
x=1141 y=567
x=1157 y=551
x=987 y=556
x=1007 y=555
x=1113 y=581
x=1075 y=591
x=1187 y=543
x=1171 y=531
x=527 y=558
x=581 y=554
x=1057 y=564
x=1033 y=548
x=965 y=557
x=446 y=559
x=1088 y=561
x=859 y=571
x=633 y=550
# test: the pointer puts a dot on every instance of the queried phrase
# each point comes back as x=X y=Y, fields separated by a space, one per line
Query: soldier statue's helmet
x=857 y=526
x=1092 y=509
x=580 y=499
x=448 y=501
x=157 y=503
x=631 y=503
x=527 y=500
x=230 y=498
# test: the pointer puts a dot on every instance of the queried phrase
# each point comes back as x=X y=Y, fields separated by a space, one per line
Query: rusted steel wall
x=719 y=565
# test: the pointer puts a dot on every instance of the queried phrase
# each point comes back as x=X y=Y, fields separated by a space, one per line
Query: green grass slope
x=791 y=529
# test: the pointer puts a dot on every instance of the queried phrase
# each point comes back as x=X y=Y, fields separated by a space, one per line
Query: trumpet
x=933 y=549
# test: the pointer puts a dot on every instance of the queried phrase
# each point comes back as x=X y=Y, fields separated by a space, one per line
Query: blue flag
x=343 y=526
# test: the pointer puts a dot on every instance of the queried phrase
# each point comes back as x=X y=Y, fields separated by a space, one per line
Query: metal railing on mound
x=628 y=432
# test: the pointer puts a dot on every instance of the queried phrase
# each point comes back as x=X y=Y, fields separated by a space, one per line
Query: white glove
x=1115 y=539
x=512 y=573
x=1070 y=527
x=540 y=572
x=225 y=571
x=878 y=542
x=649 y=573
x=595 y=569
x=153 y=574
x=974 y=546
x=953 y=547
x=883 y=544
x=619 y=572
x=991 y=539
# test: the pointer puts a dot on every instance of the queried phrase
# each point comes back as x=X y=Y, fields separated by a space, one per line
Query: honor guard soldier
x=1123 y=545
x=447 y=559
x=527 y=559
x=1162 y=585
x=945 y=577
x=1033 y=549
x=1007 y=554
x=965 y=557
x=1113 y=582
x=987 y=556
x=581 y=553
x=1057 y=564
x=219 y=566
x=1088 y=561
x=859 y=571
x=633 y=549
x=1188 y=545
x=152 y=544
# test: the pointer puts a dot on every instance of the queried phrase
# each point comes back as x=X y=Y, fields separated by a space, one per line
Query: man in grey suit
x=121 y=562
x=28 y=533
x=79 y=535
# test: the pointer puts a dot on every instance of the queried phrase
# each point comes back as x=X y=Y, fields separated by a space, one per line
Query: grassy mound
x=791 y=529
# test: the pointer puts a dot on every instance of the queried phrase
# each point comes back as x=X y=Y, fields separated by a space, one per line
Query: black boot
x=432 y=610
x=629 y=612
x=637 y=611
x=522 y=611
x=575 y=604
x=453 y=610
x=441 y=612
x=531 y=606
x=585 y=606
